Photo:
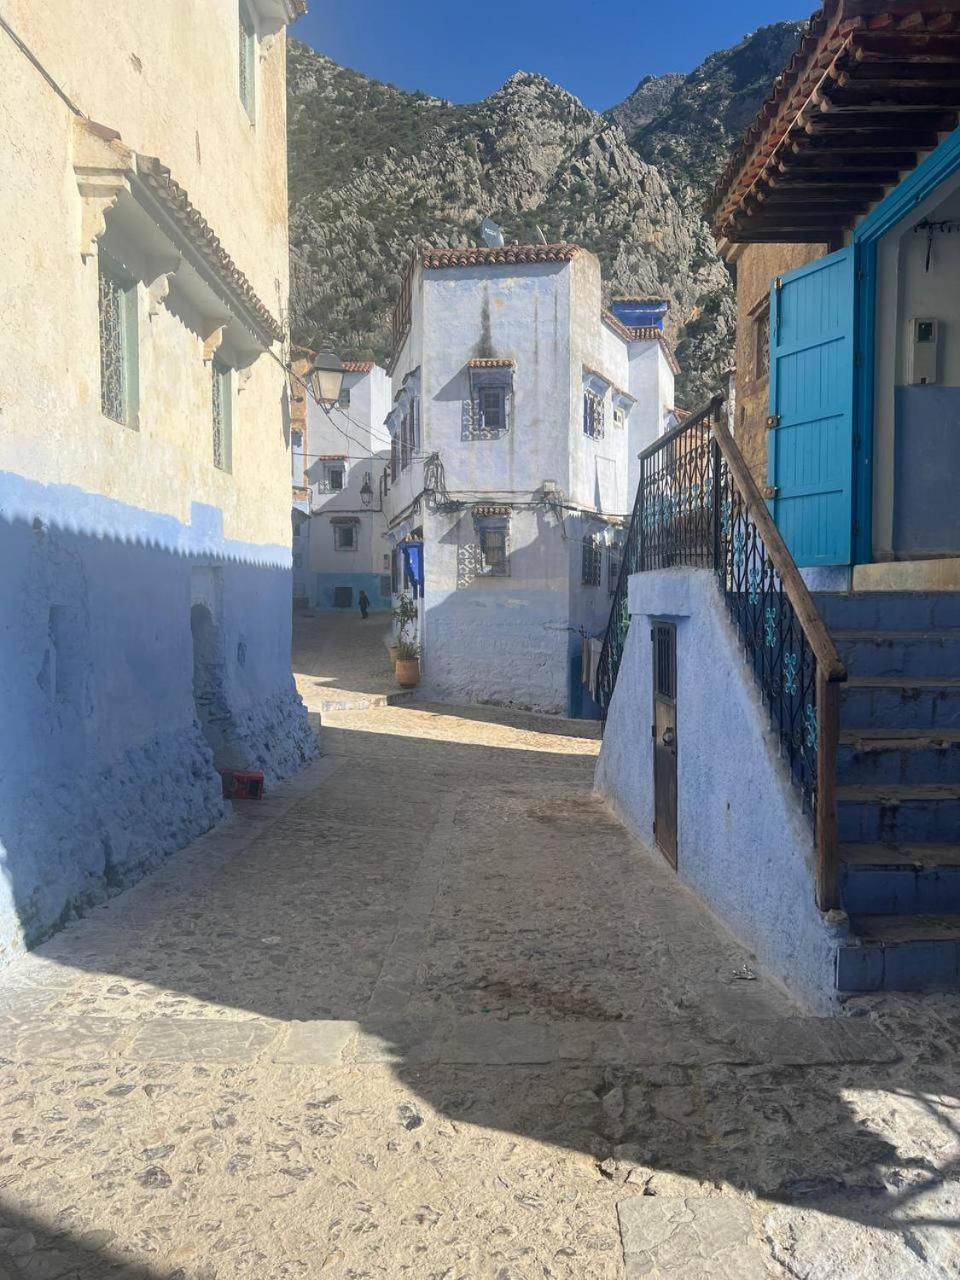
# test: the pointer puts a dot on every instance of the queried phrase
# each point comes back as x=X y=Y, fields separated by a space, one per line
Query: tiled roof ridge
x=492 y=362
x=203 y=238
x=357 y=366
x=508 y=254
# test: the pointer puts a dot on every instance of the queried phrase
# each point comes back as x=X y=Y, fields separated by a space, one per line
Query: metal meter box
x=924 y=345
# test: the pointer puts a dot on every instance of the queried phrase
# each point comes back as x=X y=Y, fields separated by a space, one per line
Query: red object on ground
x=242 y=784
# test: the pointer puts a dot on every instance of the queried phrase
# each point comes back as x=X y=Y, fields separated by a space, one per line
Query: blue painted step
x=900 y=702
x=899 y=653
x=889 y=610
x=878 y=757
x=900 y=879
x=898 y=814
x=900 y=953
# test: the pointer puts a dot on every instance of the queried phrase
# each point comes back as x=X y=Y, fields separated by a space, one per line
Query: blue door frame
x=941 y=164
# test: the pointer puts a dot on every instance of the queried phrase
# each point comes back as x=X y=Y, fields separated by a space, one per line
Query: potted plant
x=404 y=617
x=408 y=665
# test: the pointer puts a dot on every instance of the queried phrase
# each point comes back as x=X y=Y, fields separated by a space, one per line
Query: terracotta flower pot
x=408 y=672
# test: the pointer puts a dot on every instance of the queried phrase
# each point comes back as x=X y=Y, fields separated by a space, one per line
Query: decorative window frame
x=595 y=388
x=471 y=560
x=221 y=413
x=248 y=38
x=487 y=375
x=352 y=523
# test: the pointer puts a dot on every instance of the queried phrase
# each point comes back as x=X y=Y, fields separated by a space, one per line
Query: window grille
x=613 y=567
x=221 y=420
x=247 y=66
x=118 y=343
x=592 y=557
x=344 y=537
x=762 y=339
x=592 y=414
x=486 y=415
x=495 y=559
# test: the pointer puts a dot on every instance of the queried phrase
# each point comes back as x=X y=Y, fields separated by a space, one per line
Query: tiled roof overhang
x=491 y=363
x=357 y=366
x=200 y=237
x=873 y=85
x=481 y=256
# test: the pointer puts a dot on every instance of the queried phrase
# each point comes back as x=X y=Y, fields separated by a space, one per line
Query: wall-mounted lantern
x=366 y=490
x=326 y=377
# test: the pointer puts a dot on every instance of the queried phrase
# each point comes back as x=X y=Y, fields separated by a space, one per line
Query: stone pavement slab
x=428 y=1011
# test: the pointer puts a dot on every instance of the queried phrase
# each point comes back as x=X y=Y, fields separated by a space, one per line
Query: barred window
x=494 y=548
x=248 y=59
x=486 y=415
x=592 y=414
x=118 y=342
x=345 y=537
x=614 y=554
x=222 y=416
x=591 y=561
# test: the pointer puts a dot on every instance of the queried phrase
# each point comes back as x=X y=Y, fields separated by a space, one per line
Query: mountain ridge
x=376 y=172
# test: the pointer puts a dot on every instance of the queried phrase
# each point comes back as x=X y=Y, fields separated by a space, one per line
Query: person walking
x=364 y=603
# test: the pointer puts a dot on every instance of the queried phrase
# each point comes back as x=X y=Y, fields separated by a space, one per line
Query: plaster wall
x=107 y=531
x=757 y=266
x=745 y=847
x=652 y=386
x=916 y=430
x=502 y=640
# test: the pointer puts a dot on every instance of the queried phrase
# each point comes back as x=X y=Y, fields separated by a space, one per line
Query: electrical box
x=924 y=343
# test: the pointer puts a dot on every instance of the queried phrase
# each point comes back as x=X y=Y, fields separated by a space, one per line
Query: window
x=345 y=537
x=118 y=342
x=592 y=414
x=385 y=586
x=335 y=479
x=344 y=398
x=619 y=417
x=592 y=557
x=486 y=414
x=248 y=59
x=298 y=560
x=761 y=337
x=494 y=549
x=221 y=412
x=394 y=458
x=614 y=554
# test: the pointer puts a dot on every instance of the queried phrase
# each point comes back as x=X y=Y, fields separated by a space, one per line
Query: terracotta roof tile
x=492 y=363
x=510 y=254
x=357 y=366
x=195 y=228
x=646 y=334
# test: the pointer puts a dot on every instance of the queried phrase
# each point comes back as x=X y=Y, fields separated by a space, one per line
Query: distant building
x=340 y=456
x=519 y=408
x=144 y=446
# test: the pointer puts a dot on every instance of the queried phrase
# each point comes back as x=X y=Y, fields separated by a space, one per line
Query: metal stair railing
x=698 y=505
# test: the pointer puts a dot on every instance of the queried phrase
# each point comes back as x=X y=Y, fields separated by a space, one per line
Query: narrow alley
x=428 y=1011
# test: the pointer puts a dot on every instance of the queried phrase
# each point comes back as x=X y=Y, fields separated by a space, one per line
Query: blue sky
x=464 y=50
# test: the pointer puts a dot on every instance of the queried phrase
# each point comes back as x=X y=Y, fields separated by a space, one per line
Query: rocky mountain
x=376 y=171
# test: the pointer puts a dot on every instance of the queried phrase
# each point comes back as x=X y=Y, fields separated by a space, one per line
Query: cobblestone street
x=428 y=1011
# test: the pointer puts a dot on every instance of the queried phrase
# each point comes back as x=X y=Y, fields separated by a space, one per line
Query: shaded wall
x=745 y=847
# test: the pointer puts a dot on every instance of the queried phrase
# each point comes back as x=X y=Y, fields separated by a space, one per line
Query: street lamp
x=366 y=490
x=326 y=377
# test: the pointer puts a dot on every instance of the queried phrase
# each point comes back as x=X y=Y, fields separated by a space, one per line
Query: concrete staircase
x=899 y=788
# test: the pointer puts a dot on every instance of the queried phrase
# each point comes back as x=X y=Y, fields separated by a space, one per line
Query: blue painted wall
x=104 y=766
x=325 y=585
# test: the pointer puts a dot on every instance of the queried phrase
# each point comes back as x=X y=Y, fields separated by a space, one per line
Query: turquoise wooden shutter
x=810 y=454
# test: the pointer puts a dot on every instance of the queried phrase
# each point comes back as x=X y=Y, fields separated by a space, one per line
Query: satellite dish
x=491 y=233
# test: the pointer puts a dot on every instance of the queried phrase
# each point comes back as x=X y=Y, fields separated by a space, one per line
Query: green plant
x=407 y=651
x=405 y=612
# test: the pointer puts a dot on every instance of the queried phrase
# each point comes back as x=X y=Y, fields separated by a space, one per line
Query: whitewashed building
x=144 y=437
x=520 y=405
x=340 y=455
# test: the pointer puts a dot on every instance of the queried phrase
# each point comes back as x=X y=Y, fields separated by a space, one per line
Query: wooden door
x=664 y=636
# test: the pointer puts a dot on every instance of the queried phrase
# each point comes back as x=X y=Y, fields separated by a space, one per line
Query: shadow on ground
x=493 y=934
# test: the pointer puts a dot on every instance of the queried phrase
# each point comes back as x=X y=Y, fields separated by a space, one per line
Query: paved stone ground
x=340 y=660
x=428 y=1012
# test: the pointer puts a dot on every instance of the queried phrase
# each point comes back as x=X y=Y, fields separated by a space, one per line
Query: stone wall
x=757 y=266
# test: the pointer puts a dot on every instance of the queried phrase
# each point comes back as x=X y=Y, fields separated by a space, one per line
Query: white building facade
x=519 y=408
x=144 y=448
x=340 y=455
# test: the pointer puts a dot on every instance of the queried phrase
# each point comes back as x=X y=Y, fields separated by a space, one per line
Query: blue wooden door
x=810 y=453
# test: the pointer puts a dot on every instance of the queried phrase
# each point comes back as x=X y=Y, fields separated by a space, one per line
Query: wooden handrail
x=797 y=591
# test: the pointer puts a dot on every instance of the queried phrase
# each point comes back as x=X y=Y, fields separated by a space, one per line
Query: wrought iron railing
x=698 y=506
